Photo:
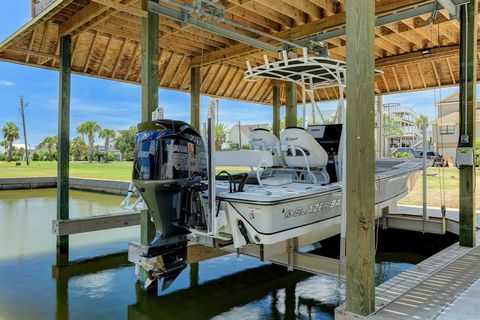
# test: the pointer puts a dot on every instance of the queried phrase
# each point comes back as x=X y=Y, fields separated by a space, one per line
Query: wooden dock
x=436 y=288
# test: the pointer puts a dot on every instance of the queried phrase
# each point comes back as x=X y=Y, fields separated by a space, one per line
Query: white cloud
x=5 y=83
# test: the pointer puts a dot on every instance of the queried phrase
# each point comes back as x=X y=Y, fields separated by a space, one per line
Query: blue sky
x=117 y=105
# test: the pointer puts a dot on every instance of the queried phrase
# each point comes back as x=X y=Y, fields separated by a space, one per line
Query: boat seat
x=263 y=139
x=301 y=150
x=248 y=158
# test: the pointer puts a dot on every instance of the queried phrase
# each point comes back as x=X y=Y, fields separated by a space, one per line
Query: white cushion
x=249 y=158
x=261 y=139
x=297 y=137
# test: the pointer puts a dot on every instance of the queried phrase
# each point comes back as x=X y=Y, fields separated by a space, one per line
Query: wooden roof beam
x=121 y=7
x=408 y=76
x=330 y=7
x=88 y=13
x=135 y=54
x=290 y=11
x=385 y=83
x=312 y=10
x=90 y=51
x=119 y=58
x=337 y=21
x=450 y=70
x=437 y=77
x=421 y=75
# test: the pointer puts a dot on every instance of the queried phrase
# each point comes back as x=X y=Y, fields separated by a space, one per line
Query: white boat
x=293 y=188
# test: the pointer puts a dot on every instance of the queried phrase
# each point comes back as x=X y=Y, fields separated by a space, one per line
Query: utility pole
x=22 y=111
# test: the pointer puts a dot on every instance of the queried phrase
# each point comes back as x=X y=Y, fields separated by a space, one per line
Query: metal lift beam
x=185 y=18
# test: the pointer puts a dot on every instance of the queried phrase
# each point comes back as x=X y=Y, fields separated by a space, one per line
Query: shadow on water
x=227 y=287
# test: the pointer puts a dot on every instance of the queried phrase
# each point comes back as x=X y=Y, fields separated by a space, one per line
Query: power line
x=22 y=111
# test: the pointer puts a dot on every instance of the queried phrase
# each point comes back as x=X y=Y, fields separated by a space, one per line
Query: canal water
x=227 y=287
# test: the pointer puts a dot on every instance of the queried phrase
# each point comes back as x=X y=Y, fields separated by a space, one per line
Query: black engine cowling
x=170 y=167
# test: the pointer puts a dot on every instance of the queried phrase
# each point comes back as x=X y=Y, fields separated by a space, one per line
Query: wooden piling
x=63 y=144
x=276 y=110
x=150 y=82
x=150 y=56
x=291 y=104
x=360 y=158
x=468 y=85
x=195 y=97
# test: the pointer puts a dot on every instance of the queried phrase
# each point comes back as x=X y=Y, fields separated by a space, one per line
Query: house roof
x=454 y=97
x=451 y=118
x=248 y=128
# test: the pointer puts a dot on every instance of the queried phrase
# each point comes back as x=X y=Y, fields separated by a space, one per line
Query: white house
x=236 y=136
x=446 y=128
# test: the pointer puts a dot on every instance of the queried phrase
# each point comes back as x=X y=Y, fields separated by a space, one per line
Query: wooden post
x=194 y=274
x=150 y=56
x=276 y=110
x=290 y=104
x=468 y=85
x=63 y=144
x=150 y=81
x=195 y=97
x=360 y=157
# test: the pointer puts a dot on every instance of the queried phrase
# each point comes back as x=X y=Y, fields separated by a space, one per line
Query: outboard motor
x=170 y=168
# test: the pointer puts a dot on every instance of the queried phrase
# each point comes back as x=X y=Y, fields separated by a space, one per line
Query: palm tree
x=419 y=121
x=107 y=134
x=220 y=135
x=4 y=145
x=89 y=128
x=126 y=142
x=50 y=143
x=78 y=148
x=10 y=133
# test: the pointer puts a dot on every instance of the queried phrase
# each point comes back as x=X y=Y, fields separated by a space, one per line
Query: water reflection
x=227 y=287
x=267 y=291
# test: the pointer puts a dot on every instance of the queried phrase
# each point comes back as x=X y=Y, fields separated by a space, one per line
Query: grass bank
x=123 y=171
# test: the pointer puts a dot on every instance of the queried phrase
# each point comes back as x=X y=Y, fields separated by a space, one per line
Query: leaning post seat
x=263 y=139
x=301 y=150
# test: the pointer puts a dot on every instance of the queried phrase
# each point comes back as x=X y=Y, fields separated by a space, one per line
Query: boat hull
x=282 y=219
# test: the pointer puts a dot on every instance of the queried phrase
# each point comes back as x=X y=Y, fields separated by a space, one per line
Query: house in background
x=446 y=128
x=400 y=127
x=240 y=135
x=112 y=150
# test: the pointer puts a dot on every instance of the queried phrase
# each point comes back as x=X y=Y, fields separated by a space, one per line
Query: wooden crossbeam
x=121 y=7
x=95 y=223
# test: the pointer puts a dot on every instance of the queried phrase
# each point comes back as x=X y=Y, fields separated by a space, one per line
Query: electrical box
x=465 y=157
x=157 y=114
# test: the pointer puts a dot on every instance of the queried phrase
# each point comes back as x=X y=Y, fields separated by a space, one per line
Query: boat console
x=329 y=136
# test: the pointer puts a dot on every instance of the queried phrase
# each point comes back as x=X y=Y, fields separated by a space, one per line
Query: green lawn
x=123 y=171
x=80 y=169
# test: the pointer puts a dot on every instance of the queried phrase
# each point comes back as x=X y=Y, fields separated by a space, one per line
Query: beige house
x=446 y=128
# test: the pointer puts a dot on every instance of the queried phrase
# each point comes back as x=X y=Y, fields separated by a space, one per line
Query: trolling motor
x=170 y=169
